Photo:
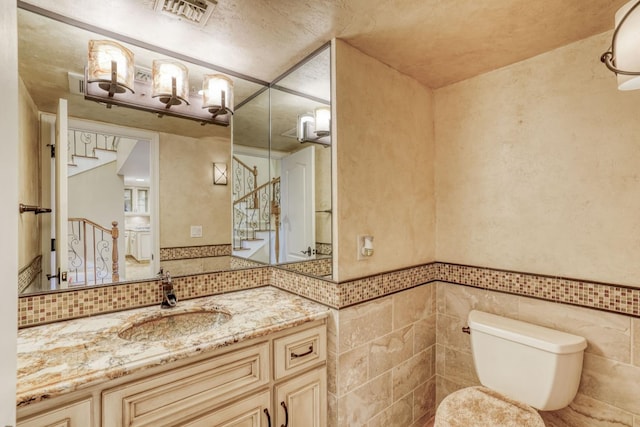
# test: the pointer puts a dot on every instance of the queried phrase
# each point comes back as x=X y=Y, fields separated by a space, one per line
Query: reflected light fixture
x=315 y=127
x=170 y=82
x=217 y=94
x=623 y=57
x=110 y=80
x=111 y=66
x=220 y=174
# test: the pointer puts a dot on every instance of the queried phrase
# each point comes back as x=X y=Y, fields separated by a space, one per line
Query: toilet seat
x=482 y=407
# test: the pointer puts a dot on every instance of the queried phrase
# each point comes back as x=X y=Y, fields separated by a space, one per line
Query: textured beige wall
x=188 y=194
x=611 y=372
x=384 y=160
x=323 y=193
x=103 y=206
x=29 y=177
x=537 y=168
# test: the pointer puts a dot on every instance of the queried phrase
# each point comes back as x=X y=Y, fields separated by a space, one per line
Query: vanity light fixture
x=220 y=174
x=623 y=57
x=110 y=66
x=110 y=77
x=315 y=127
x=217 y=94
x=170 y=82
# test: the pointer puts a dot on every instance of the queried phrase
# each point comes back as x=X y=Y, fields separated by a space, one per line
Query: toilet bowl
x=522 y=367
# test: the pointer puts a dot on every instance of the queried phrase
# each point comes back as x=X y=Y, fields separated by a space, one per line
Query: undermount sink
x=167 y=326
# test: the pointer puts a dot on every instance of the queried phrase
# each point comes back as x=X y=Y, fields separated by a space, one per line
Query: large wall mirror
x=159 y=185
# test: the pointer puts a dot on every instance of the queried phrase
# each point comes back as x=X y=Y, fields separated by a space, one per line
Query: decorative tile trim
x=50 y=307
x=602 y=296
x=188 y=252
x=30 y=274
x=318 y=267
x=324 y=248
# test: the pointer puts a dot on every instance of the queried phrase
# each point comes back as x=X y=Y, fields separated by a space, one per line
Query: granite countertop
x=61 y=357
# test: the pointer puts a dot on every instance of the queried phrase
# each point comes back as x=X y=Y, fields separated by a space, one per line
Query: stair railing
x=92 y=252
x=259 y=205
x=85 y=143
x=245 y=180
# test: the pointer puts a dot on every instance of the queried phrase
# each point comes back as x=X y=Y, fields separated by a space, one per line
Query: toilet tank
x=529 y=363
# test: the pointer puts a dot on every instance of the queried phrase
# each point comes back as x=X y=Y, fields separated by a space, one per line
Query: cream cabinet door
x=72 y=415
x=302 y=400
x=249 y=412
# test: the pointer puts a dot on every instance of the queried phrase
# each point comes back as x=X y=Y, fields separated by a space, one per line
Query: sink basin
x=166 y=326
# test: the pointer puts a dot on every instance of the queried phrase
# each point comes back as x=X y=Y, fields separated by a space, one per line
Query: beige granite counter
x=61 y=357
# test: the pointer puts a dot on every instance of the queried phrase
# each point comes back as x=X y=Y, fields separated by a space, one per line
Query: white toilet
x=522 y=367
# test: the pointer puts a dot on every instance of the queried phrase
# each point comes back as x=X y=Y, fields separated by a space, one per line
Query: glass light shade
x=626 y=46
x=217 y=93
x=323 y=121
x=163 y=73
x=101 y=55
x=301 y=129
x=220 y=173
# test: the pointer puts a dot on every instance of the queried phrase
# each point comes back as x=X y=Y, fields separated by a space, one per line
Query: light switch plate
x=196 y=231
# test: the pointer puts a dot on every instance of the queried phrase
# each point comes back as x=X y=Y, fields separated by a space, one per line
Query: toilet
x=522 y=367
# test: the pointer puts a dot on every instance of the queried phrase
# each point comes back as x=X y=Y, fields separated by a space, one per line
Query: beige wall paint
x=102 y=207
x=188 y=194
x=29 y=176
x=537 y=168
x=384 y=159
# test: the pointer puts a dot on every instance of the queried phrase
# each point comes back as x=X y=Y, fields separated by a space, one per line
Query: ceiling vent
x=194 y=11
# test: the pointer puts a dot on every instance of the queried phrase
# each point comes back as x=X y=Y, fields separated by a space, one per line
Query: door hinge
x=53 y=245
x=53 y=150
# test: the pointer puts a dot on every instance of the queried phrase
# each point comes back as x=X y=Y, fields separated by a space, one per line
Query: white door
x=61 y=209
x=297 y=199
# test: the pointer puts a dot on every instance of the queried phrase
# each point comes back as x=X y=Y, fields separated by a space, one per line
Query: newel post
x=115 y=275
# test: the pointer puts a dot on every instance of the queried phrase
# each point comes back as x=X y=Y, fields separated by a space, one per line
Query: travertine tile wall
x=610 y=384
x=382 y=361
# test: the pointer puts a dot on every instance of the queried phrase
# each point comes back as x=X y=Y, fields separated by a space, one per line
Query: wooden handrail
x=253 y=170
x=256 y=191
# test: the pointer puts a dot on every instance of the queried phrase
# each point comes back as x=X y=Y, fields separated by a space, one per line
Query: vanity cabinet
x=76 y=414
x=139 y=245
x=277 y=380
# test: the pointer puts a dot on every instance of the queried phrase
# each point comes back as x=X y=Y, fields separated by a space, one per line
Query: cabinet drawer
x=249 y=412
x=299 y=351
x=76 y=414
x=165 y=399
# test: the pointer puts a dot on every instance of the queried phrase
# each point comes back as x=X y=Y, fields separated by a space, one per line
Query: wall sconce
x=622 y=57
x=110 y=81
x=315 y=127
x=220 y=174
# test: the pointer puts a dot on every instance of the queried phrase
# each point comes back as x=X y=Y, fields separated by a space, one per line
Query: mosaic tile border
x=30 y=274
x=45 y=308
x=51 y=307
x=324 y=248
x=602 y=296
x=188 y=252
x=317 y=267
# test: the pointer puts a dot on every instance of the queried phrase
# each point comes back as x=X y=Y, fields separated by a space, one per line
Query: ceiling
x=437 y=42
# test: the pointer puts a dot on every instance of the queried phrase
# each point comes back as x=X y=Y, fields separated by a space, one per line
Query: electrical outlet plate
x=360 y=246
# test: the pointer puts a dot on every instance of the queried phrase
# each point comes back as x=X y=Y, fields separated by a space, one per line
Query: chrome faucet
x=169 y=298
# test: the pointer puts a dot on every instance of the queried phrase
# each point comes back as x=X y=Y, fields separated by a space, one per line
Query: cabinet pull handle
x=266 y=412
x=286 y=415
x=295 y=356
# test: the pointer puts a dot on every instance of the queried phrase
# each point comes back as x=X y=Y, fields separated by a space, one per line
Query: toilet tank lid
x=525 y=333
